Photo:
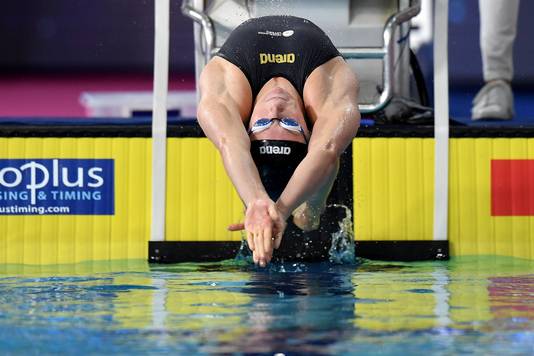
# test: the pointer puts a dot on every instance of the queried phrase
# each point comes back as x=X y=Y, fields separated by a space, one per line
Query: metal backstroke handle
x=207 y=27
x=386 y=53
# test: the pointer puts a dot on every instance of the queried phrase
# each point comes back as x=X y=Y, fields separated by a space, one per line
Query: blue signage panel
x=57 y=187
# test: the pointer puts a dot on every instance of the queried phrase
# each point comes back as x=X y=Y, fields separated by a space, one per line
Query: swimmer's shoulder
x=220 y=78
x=219 y=67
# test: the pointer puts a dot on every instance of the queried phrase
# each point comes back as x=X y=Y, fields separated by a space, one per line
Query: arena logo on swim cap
x=287 y=33
x=270 y=33
x=275 y=150
x=277 y=58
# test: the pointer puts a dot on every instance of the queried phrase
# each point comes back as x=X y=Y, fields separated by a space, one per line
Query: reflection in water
x=305 y=308
x=467 y=305
x=512 y=297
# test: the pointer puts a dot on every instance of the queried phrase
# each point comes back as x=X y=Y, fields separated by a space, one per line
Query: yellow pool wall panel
x=393 y=194
x=393 y=198
x=393 y=188
x=58 y=239
x=472 y=228
x=201 y=202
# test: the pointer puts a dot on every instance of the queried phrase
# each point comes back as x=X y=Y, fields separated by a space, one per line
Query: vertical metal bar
x=159 y=119
x=441 y=126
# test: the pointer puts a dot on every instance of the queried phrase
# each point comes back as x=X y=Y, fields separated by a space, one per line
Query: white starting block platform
x=129 y=104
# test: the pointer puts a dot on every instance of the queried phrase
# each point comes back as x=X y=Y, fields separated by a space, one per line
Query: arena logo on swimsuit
x=275 y=150
x=277 y=58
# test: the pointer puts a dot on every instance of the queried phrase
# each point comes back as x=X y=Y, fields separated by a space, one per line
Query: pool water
x=482 y=305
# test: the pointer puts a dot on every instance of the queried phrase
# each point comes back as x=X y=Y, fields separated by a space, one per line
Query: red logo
x=512 y=187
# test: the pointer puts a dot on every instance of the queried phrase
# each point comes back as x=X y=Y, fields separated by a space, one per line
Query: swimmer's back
x=277 y=46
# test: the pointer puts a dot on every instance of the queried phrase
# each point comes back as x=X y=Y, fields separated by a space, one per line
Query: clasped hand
x=264 y=226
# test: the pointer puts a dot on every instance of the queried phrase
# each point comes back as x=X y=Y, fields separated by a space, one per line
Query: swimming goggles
x=286 y=122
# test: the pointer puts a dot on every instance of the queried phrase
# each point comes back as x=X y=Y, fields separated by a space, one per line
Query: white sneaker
x=494 y=101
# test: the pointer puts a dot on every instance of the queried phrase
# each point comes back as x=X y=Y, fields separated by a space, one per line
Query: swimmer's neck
x=279 y=86
x=279 y=82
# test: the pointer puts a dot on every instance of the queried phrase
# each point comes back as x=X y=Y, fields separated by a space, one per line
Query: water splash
x=342 y=249
x=244 y=255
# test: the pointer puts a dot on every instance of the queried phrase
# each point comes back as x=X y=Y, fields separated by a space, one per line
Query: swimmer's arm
x=225 y=104
x=330 y=97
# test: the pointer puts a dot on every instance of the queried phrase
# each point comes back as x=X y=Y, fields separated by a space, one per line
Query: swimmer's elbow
x=352 y=114
x=222 y=143
x=329 y=158
x=229 y=147
x=203 y=116
x=328 y=153
x=209 y=119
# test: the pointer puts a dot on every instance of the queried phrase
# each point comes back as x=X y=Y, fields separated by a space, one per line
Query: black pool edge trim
x=193 y=130
x=211 y=251
x=403 y=250
x=191 y=251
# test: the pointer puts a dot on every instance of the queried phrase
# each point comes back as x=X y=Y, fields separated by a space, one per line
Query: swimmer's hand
x=264 y=226
x=236 y=227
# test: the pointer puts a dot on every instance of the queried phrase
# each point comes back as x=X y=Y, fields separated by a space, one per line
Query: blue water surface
x=481 y=306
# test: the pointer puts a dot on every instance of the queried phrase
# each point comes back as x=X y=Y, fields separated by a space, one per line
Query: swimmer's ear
x=236 y=227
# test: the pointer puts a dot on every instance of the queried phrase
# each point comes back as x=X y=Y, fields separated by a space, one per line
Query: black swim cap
x=276 y=161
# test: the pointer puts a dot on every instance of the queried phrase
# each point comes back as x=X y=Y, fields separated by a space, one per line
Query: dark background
x=88 y=35
x=117 y=36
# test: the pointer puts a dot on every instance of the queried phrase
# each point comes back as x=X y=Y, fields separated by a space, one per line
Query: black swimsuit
x=277 y=46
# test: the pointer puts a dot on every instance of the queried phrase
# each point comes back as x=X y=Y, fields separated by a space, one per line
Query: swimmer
x=280 y=104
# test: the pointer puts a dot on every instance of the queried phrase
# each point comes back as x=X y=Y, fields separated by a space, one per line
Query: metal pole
x=441 y=125
x=159 y=119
